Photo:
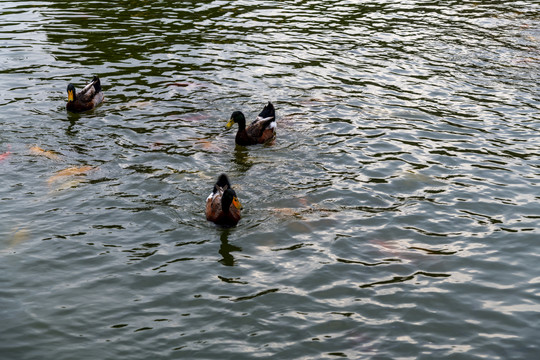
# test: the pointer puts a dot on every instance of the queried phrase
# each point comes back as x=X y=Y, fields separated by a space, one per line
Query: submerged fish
x=411 y=176
x=134 y=104
x=208 y=145
x=36 y=150
x=18 y=236
x=5 y=155
x=287 y=212
x=71 y=171
x=68 y=184
x=185 y=84
x=179 y=84
x=156 y=145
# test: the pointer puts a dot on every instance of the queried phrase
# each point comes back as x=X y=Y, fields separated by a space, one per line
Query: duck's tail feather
x=268 y=112
x=222 y=182
x=96 y=83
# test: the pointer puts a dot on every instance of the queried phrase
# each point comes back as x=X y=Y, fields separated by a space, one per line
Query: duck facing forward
x=222 y=205
x=87 y=99
x=260 y=131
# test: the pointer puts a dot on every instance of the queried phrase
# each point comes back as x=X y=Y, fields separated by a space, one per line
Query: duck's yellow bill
x=236 y=203
x=70 y=96
x=230 y=124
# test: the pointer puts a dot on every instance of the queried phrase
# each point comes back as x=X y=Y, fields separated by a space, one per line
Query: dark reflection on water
x=241 y=159
x=226 y=249
x=395 y=216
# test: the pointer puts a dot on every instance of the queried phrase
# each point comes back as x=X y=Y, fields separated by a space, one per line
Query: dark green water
x=395 y=217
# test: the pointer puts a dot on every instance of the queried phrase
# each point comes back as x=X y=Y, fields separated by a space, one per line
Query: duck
x=222 y=205
x=260 y=131
x=87 y=99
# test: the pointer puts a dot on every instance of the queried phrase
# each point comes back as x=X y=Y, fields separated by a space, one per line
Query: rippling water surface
x=396 y=216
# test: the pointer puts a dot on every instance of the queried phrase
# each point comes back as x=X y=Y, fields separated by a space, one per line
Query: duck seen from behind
x=222 y=205
x=260 y=131
x=87 y=99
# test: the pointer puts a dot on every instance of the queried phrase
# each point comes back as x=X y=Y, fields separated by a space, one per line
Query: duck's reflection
x=72 y=119
x=226 y=249
x=241 y=159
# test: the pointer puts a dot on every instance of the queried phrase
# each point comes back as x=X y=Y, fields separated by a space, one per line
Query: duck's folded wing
x=258 y=127
x=90 y=90
x=213 y=204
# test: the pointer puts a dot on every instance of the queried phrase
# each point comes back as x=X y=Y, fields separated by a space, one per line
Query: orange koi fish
x=36 y=150
x=6 y=154
x=71 y=171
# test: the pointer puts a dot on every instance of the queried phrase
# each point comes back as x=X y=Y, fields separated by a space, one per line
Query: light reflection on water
x=395 y=215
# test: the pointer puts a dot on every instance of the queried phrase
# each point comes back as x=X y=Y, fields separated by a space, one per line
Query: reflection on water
x=242 y=159
x=226 y=249
x=400 y=196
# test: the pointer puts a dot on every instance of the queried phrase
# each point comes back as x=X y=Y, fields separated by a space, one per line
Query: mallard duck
x=87 y=99
x=222 y=205
x=260 y=131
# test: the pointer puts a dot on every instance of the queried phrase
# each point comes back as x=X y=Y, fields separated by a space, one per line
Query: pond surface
x=396 y=216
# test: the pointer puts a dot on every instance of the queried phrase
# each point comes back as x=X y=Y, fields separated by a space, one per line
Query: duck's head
x=236 y=117
x=71 y=92
x=229 y=197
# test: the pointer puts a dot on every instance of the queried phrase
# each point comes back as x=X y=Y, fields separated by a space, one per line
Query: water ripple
x=398 y=203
